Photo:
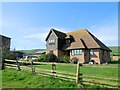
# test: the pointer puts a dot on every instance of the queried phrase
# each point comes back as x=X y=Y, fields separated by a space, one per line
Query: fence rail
x=84 y=78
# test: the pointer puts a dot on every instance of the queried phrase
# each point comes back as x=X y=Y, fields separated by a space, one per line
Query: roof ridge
x=56 y=30
x=77 y=30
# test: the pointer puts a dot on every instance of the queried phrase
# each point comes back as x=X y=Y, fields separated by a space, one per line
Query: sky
x=28 y=23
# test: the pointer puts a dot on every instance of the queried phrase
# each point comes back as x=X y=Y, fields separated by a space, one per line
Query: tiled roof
x=80 y=39
x=84 y=39
x=59 y=34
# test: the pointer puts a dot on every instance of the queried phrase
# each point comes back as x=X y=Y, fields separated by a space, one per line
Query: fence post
x=53 y=69
x=18 y=65
x=32 y=68
x=78 y=72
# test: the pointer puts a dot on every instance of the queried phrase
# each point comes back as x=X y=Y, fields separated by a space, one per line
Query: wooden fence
x=78 y=77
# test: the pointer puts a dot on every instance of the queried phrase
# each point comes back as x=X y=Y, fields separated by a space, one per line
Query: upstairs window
x=76 y=52
x=91 y=52
x=51 y=41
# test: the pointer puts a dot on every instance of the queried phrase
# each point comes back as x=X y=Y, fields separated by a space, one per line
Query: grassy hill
x=32 y=51
x=115 y=50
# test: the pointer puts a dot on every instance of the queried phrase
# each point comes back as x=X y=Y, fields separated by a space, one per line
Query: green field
x=115 y=50
x=105 y=75
x=21 y=79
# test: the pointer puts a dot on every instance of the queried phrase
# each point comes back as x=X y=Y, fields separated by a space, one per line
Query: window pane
x=91 y=52
x=77 y=51
x=80 y=51
x=72 y=52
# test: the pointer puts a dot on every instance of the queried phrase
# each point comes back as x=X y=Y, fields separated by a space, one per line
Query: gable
x=51 y=33
x=57 y=33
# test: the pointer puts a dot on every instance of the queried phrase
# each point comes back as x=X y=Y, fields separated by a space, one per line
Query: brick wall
x=56 y=52
x=80 y=56
x=96 y=56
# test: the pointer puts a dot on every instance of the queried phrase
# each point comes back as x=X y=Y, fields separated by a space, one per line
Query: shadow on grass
x=115 y=62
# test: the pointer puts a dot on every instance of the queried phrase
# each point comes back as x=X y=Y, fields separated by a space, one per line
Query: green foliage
x=42 y=57
x=51 y=57
x=74 y=60
x=65 y=59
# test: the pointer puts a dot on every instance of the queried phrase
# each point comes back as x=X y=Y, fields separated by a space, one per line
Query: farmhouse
x=80 y=44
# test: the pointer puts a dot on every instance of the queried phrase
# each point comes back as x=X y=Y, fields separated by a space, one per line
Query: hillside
x=115 y=50
x=32 y=51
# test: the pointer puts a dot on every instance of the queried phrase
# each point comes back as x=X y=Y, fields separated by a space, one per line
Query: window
x=67 y=41
x=80 y=51
x=72 y=52
x=51 y=41
x=91 y=52
x=76 y=52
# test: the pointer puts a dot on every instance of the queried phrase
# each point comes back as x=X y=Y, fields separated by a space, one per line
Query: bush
x=65 y=59
x=42 y=58
x=51 y=57
x=74 y=60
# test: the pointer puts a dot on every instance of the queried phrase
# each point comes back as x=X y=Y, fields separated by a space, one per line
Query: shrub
x=65 y=59
x=42 y=58
x=74 y=60
x=51 y=57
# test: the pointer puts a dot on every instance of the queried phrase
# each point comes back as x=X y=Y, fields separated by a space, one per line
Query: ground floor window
x=91 y=52
x=76 y=52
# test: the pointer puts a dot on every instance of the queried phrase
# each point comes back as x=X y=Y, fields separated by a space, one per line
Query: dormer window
x=68 y=41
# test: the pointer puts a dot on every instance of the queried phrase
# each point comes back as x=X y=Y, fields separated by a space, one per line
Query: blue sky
x=29 y=23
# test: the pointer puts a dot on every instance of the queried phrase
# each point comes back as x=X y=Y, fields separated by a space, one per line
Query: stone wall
x=4 y=50
x=5 y=46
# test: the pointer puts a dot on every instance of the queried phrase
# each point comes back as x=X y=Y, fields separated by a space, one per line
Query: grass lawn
x=12 y=78
x=105 y=73
x=20 y=79
x=108 y=70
